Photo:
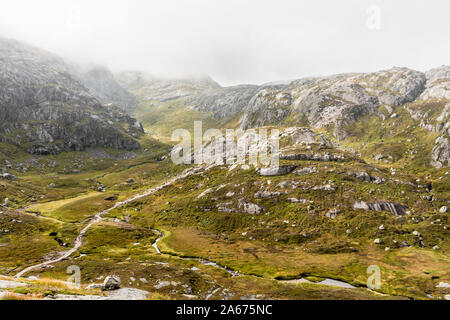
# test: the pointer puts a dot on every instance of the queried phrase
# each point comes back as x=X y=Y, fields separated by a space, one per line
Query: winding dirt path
x=99 y=216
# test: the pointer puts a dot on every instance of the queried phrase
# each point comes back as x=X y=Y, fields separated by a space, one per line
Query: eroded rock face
x=438 y=84
x=394 y=208
x=340 y=100
x=432 y=110
x=440 y=155
x=224 y=102
x=46 y=109
x=268 y=106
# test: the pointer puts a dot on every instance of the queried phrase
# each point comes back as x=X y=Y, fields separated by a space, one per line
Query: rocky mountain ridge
x=335 y=103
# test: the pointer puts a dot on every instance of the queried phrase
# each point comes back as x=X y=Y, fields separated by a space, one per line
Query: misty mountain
x=101 y=82
x=161 y=89
x=46 y=108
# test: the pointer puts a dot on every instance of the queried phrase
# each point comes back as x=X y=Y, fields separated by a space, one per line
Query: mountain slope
x=101 y=83
x=46 y=109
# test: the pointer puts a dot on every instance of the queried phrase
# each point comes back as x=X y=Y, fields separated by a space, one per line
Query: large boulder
x=277 y=171
x=111 y=283
x=250 y=208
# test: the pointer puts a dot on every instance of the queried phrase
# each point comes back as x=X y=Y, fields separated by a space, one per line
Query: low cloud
x=252 y=41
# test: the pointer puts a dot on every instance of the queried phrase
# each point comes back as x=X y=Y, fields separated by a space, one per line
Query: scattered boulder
x=129 y=181
x=295 y=200
x=377 y=241
x=313 y=157
x=404 y=244
x=364 y=176
x=111 y=283
x=287 y=184
x=443 y=209
x=361 y=205
x=443 y=285
x=325 y=187
x=7 y=163
x=277 y=171
x=306 y=170
x=52 y=185
x=7 y=176
x=266 y=194
x=250 y=208
x=333 y=213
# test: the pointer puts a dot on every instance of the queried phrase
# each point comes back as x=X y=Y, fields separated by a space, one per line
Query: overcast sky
x=246 y=41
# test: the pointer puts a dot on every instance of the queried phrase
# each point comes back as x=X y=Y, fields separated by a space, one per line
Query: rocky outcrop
x=364 y=176
x=250 y=208
x=341 y=100
x=45 y=108
x=313 y=157
x=440 y=155
x=438 y=84
x=111 y=283
x=432 y=110
x=267 y=194
x=268 y=106
x=277 y=171
x=224 y=102
x=394 y=208
x=337 y=100
x=302 y=135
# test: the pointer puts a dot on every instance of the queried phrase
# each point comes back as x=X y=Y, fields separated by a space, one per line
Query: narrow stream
x=203 y=261
x=206 y=262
